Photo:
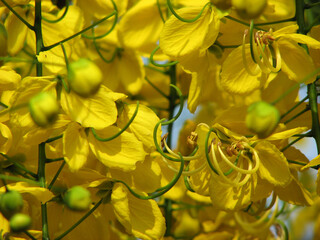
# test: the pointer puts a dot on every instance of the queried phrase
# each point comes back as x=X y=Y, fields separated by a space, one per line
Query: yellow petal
x=273 y=165
x=140 y=27
x=148 y=169
x=314 y=162
x=142 y=125
x=235 y=78
x=121 y=153
x=296 y=63
x=9 y=79
x=98 y=111
x=294 y=193
x=142 y=218
x=304 y=39
x=180 y=38
x=5 y=138
x=75 y=146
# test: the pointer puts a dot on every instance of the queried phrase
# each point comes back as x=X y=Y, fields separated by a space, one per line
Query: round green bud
x=262 y=118
x=44 y=109
x=10 y=203
x=249 y=9
x=20 y=222
x=84 y=77
x=77 y=198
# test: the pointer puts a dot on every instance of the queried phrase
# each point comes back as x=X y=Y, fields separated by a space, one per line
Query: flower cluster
x=85 y=91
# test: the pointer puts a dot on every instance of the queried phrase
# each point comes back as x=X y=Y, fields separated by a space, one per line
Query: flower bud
x=222 y=4
x=10 y=203
x=262 y=118
x=249 y=9
x=77 y=198
x=44 y=109
x=84 y=77
x=20 y=222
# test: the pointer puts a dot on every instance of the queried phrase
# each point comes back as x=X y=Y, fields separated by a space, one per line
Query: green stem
x=294 y=107
x=80 y=220
x=276 y=22
x=297 y=115
x=18 y=165
x=54 y=160
x=46 y=48
x=300 y=6
x=168 y=216
x=183 y=19
x=312 y=93
x=291 y=143
x=62 y=16
x=38 y=32
x=29 y=235
x=54 y=139
x=311 y=5
x=3 y=105
x=172 y=102
x=162 y=64
x=42 y=182
x=56 y=176
x=243 y=23
x=17 y=179
x=156 y=88
x=18 y=16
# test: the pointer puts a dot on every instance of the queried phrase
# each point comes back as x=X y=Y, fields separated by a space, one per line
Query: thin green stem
x=160 y=12
x=29 y=235
x=18 y=179
x=285 y=229
x=243 y=23
x=294 y=107
x=120 y=132
x=276 y=22
x=300 y=6
x=38 y=32
x=156 y=88
x=18 y=165
x=207 y=152
x=42 y=182
x=183 y=19
x=46 y=48
x=80 y=220
x=297 y=115
x=312 y=93
x=251 y=41
x=18 y=16
x=297 y=85
x=54 y=139
x=156 y=69
x=162 y=64
x=311 y=5
x=56 y=175
x=3 y=105
x=17 y=59
x=291 y=143
x=54 y=160
x=65 y=55
x=61 y=17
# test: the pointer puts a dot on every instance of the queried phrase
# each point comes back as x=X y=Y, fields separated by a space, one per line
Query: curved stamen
x=184 y=173
x=262 y=223
x=256 y=55
x=275 y=49
x=186 y=158
x=231 y=164
x=244 y=58
x=236 y=182
x=266 y=59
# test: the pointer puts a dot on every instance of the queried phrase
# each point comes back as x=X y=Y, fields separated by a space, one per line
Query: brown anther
x=234 y=151
x=164 y=138
x=212 y=143
x=240 y=146
x=192 y=140
x=229 y=151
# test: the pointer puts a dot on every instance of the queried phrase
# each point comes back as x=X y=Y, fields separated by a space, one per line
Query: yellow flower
x=241 y=75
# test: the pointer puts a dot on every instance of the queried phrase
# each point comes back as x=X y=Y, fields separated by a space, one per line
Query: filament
x=184 y=173
x=245 y=63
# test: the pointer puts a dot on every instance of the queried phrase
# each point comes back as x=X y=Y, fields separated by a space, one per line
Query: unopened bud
x=44 y=109
x=249 y=9
x=77 y=198
x=222 y=4
x=20 y=222
x=10 y=203
x=262 y=118
x=84 y=77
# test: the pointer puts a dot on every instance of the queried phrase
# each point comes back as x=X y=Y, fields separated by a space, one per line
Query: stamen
x=186 y=158
x=244 y=58
x=184 y=173
x=236 y=182
x=231 y=164
x=266 y=60
x=258 y=59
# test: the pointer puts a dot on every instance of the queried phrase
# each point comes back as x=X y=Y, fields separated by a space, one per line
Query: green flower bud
x=262 y=118
x=84 y=77
x=20 y=222
x=10 y=203
x=249 y=9
x=77 y=198
x=44 y=109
